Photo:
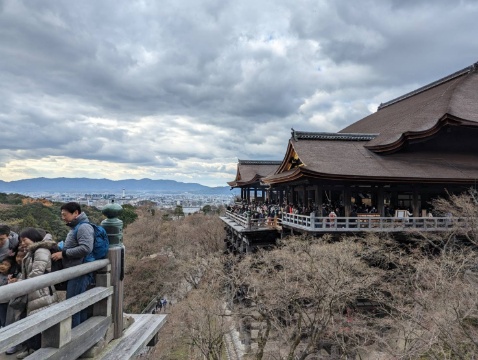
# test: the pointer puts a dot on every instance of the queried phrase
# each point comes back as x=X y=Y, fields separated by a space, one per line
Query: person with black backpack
x=77 y=246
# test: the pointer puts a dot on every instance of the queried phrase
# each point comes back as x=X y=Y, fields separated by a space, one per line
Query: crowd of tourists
x=266 y=212
x=31 y=253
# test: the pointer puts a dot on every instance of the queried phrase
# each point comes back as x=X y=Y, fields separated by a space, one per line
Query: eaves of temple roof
x=250 y=172
x=421 y=114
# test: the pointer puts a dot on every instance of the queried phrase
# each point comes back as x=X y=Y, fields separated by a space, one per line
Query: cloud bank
x=181 y=90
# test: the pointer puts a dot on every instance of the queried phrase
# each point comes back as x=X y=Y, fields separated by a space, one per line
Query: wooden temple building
x=249 y=175
x=414 y=148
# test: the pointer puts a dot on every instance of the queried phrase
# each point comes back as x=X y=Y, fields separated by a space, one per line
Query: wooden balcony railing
x=58 y=339
x=370 y=222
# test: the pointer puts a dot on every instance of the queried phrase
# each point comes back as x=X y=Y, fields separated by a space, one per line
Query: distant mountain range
x=78 y=185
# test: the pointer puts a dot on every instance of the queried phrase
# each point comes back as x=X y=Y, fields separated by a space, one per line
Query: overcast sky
x=181 y=89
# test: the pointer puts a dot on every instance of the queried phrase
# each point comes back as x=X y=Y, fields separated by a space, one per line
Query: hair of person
x=4 y=229
x=71 y=207
x=32 y=234
x=20 y=252
x=42 y=232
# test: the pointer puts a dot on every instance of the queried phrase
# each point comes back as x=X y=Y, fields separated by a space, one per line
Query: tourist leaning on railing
x=16 y=307
x=37 y=262
x=78 y=244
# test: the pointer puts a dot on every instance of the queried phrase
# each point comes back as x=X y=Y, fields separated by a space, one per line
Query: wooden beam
x=24 y=329
x=138 y=335
x=84 y=336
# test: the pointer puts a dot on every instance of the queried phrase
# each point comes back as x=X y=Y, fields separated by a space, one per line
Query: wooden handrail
x=11 y=291
x=372 y=222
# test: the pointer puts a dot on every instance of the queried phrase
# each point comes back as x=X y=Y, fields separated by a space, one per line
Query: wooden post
x=116 y=257
x=416 y=204
x=114 y=228
x=381 y=201
x=318 y=199
x=58 y=335
x=347 y=194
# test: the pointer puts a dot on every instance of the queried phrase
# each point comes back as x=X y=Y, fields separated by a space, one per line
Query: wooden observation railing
x=59 y=340
x=249 y=223
x=368 y=223
x=103 y=335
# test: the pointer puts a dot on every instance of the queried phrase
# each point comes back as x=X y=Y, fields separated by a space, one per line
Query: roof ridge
x=260 y=162
x=433 y=84
x=309 y=135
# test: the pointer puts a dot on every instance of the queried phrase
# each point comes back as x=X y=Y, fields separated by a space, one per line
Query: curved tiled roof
x=251 y=171
x=430 y=162
x=423 y=112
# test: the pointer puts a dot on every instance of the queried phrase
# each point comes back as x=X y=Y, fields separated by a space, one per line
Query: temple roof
x=426 y=136
x=421 y=113
x=251 y=171
x=351 y=160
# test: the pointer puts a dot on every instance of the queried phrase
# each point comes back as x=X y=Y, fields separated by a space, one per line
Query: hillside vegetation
x=369 y=297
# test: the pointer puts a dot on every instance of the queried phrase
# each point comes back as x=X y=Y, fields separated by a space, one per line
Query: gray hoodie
x=77 y=247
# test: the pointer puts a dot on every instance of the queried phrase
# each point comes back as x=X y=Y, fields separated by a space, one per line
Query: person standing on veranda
x=78 y=244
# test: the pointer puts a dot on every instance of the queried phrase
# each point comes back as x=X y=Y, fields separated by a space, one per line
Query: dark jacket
x=77 y=247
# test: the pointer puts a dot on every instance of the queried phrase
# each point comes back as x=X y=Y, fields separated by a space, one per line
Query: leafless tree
x=304 y=292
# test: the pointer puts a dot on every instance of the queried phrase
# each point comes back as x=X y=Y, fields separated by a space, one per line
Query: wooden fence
x=58 y=339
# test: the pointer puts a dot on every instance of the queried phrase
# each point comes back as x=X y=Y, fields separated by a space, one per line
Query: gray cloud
x=179 y=88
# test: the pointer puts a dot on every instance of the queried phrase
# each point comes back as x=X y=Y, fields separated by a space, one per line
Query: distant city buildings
x=190 y=203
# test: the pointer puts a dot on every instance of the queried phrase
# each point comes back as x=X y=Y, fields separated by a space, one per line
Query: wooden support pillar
x=318 y=199
x=114 y=229
x=255 y=194
x=347 y=194
x=380 y=201
x=116 y=257
x=281 y=197
x=416 y=204
x=304 y=195
x=58 y=335
x=248 y=195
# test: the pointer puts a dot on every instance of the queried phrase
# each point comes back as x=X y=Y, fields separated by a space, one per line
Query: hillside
x=105 y=185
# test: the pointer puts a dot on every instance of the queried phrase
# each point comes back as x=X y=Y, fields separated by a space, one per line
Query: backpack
x=100 y=245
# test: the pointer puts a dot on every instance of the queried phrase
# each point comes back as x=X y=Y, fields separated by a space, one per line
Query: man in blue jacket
x=78 y=244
